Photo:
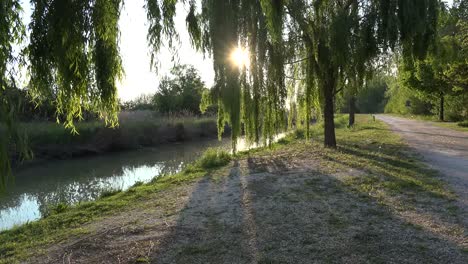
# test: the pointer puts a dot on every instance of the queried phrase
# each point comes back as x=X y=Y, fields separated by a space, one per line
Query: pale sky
x=136 y=61
x=139 y=79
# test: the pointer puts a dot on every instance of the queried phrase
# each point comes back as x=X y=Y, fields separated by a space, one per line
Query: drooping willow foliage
x=319 y=47
x=250 y=99
x=73 y=58
x=342 y=38
x=11 y=33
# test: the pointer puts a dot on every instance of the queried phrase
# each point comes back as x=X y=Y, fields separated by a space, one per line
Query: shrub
x=463 y=123
x=299 y=134
x=55 y=209
x=214 y=158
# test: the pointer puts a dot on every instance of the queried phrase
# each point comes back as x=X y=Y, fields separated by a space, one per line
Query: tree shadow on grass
x=266 y=211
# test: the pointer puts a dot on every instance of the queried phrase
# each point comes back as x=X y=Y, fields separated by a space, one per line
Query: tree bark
x=329 y=114
x=352 y=111
x=441 y=107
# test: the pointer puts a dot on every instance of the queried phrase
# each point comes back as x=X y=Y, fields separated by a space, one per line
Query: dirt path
x=443 y=149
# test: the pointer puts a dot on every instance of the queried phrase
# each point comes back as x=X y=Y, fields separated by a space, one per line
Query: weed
x=143 y=260
x=55 y=209
x=213 y=158
x=110 y=192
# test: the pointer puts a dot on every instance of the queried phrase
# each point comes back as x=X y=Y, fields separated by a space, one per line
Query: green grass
x=392 y=176
x=417 y=117
x=459 y=126
x=49 y=140
x=135 y=124
x=373 y=148
x=110 y=192
x=42 y=133
x=64 y=221
x=370 y=146
x=213 y=158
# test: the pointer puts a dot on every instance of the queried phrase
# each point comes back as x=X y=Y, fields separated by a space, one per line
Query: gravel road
x=444 y=149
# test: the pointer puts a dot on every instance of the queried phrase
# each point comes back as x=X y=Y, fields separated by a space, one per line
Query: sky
x=139 y=78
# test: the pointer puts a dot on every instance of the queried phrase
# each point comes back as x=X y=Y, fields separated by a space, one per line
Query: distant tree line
x=371 y=97
x=179 y=92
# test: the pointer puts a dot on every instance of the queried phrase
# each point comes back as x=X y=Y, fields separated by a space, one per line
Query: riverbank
x=371 y=200
x=136 y=130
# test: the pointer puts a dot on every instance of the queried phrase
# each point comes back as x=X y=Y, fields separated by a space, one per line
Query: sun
x=240 y=57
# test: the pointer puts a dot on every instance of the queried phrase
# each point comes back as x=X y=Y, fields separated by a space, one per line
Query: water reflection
x=77 y=180
x=73 y=181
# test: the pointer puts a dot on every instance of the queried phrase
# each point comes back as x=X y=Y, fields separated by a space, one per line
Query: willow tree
x=73 y=54
x=251 y=96
x=437 y=75
x=343 y=36
x=11 y=33
x=457 y=71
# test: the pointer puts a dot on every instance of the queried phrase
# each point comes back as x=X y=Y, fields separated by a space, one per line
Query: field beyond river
x=137 y=129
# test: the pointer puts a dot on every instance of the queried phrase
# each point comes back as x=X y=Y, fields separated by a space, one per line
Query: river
x=38 y=186
x=72 y=181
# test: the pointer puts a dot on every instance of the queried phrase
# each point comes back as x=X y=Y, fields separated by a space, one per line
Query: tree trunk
x=352 y=111
x=441 y=109
x=330 y=139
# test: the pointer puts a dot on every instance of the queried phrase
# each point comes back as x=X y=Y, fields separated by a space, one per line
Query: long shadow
x=402 y=174
x=266 y=211
x=211 y=228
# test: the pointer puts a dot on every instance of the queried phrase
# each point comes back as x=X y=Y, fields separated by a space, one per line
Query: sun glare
x=240 y=57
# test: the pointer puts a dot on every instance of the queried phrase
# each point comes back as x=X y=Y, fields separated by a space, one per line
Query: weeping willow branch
x=12 y=32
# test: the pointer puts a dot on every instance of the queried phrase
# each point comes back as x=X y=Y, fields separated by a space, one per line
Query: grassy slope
x=392 y=176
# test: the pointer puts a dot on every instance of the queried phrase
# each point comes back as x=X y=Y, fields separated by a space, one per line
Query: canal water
x=38 y=186
x=71 y=181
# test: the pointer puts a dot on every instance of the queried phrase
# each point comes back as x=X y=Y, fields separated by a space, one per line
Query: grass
x=134 y=123
x=213 y=158
x=64 y=221
x=459 y=126
x=136 y=129
x=419 y=117
x=371 y=147
x=391 y=175
x=110 y=192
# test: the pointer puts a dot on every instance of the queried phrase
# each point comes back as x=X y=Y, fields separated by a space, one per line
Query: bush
x=463 y=124
x=53 y=209
x=214 y=158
